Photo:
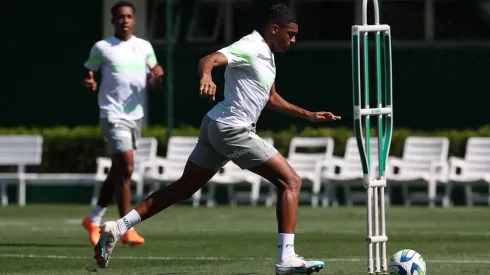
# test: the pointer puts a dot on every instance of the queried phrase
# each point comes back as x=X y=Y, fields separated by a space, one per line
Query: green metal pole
x=169 y=69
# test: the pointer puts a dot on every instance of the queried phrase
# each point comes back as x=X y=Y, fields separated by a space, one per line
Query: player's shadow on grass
x=40 y=245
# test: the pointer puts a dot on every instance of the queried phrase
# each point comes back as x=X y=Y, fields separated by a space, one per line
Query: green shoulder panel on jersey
x=240 y=53
x=95 y=59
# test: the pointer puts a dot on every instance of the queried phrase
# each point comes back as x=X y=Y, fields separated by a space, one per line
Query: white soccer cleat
x=109 y=235
x=298 y=265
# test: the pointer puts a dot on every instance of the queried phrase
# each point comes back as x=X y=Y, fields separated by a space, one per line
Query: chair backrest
x=352 y=158
x=21 y=150
x=419 y=152
x=304 y=162
x=477 y=156
x=147 y=149
x=180 y=148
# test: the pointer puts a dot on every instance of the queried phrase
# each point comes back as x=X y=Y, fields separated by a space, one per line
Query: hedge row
x=74 y=150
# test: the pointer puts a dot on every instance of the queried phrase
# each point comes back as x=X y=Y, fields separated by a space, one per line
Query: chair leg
x=446 y=201
x=155 y=185
x=348 y=195
x=196 y=198
x=3 y=194
x=231 y=194
x=469 y=194
x=211 y=195
x=406 y=194
x=325 y=198
x=432 y=189
x=315 y=192
x=255 y=193
x=488 y=195
x=95 y=193
x=139 y=189
x=22 y=191
x=271 y=197
x=332 y=193
x=388 y=195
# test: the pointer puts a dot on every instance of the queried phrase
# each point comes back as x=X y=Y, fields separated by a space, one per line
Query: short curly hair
x=122 y=4
x=280 y=14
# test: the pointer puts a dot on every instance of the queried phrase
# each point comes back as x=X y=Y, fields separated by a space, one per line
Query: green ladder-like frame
x=375 y=186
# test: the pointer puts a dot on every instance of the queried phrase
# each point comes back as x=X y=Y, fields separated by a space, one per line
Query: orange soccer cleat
x=132 y=237
x=93 y=231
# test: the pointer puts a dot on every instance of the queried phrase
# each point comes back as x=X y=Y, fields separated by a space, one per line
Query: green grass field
x=48 y=239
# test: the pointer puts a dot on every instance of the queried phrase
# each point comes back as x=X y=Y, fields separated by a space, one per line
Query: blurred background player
x=228 y=133
x=127 y=64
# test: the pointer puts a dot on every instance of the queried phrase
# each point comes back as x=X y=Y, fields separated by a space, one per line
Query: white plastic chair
x=171 y=167
x=19 y=151
x=473 y=168
x=424 y=158
x=307 y=164
x=144 y=158
x=346 y=168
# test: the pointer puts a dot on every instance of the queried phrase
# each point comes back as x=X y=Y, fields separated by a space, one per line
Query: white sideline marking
x=204 y=258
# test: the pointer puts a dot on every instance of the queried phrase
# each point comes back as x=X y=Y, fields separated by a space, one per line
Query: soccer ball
x=407 y=262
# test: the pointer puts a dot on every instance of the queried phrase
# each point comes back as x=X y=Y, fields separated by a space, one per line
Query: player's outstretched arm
x=206 y=64
x=279 y=104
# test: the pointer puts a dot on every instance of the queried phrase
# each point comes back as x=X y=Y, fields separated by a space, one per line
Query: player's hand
x=155 y=75
x=208 y=88
x=89 y=82
x=322 y=116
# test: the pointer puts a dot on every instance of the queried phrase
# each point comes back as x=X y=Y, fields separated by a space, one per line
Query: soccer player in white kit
x=126 y=63
x=228 y=133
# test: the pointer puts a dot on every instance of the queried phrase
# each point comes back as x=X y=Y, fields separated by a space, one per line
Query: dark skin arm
x=206 y=64
x=279 y=104
x=89 y=81
x=276 y=102
x=155 y=75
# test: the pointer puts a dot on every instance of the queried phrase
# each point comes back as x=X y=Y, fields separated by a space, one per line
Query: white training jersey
x=124 y=67
x=249 y=76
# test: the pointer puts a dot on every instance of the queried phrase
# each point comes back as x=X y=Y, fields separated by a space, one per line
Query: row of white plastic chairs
x=424 y=160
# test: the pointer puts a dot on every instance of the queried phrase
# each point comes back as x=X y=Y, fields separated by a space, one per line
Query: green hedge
x=74 y=150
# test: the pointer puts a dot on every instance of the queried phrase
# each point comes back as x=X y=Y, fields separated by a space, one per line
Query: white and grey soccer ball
x=407 y=262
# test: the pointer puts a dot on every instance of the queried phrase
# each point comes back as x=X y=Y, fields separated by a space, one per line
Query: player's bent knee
x=122 y=165
x=293 y=183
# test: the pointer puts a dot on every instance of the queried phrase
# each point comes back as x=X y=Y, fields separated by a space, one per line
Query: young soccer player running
x=229 y=128
x=127 y=63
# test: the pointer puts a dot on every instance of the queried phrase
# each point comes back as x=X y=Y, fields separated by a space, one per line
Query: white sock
x=285 y=247
x=127 y=222
x=97 y=214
